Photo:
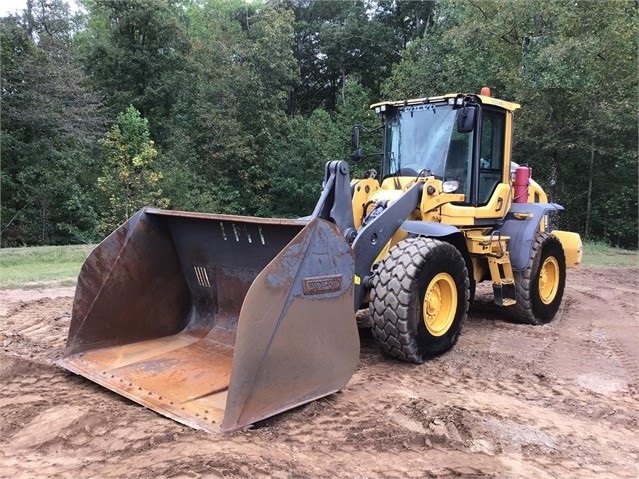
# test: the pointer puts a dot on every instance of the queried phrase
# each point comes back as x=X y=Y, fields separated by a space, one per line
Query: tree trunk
x=591 y=172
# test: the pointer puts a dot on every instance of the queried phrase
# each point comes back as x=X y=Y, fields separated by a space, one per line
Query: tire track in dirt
x=36 y=330
x=619 y=329
x=537 y=350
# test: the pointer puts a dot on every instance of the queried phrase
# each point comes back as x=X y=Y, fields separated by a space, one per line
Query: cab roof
x=485 y=100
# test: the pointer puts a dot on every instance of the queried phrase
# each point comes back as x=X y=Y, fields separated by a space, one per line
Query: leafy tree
x=129 y=177
x=336 y=41
x=134 y=52
x=585 y=90
x=299 y=163
x=314 y=140
x=49 y=124
x=410 y=20
x=232 y=111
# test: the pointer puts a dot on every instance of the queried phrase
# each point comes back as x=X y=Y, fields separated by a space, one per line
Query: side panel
x=297 y=338
x=130 y=288
x=362 y=191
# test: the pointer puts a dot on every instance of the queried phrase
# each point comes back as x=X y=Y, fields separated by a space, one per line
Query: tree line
x=234 y=107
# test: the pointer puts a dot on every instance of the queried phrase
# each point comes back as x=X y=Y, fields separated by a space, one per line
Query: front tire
x=420 y=298
x=539 y=289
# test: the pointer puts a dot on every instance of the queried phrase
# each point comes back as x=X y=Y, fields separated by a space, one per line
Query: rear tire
x=539 y=288
x=420 y=298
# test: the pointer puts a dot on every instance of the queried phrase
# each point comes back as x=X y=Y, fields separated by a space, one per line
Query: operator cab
x=459 y=139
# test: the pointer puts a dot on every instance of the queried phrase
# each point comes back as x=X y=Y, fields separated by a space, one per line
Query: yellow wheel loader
x=220 y=321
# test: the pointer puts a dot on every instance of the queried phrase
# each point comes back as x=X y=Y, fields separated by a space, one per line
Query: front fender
x=450 y=234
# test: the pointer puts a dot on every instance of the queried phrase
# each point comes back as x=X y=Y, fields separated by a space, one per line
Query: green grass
x=51 y=266
x=41 y=266
x=597 y=255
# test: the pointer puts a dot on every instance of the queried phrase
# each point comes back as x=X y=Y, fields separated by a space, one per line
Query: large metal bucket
x=216 y=321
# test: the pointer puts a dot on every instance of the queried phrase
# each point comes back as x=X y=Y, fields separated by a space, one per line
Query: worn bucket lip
x=75 y=364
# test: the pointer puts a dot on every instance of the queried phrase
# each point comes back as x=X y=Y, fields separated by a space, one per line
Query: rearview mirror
x=466 y=119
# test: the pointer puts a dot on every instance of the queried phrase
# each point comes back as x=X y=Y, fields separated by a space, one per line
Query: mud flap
x=216 y=321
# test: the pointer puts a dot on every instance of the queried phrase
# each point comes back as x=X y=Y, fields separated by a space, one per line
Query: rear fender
x=521 y=224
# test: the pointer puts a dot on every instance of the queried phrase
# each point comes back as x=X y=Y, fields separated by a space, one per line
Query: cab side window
x=491 y=153
x=459 y=160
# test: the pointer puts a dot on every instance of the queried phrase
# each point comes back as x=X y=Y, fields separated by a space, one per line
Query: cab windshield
x=422 y=140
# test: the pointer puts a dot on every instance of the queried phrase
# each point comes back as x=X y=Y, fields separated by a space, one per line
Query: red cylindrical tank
x=521 y=183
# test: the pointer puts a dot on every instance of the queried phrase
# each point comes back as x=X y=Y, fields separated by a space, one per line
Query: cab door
x=493 y=189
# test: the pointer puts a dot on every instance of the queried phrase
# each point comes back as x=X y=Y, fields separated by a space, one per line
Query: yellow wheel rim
x=548 y=280
x=440 y=304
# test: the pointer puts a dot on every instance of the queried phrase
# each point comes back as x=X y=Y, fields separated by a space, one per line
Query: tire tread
x=392 y=293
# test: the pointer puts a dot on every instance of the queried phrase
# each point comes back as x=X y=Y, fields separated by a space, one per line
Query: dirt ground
x=509 y=401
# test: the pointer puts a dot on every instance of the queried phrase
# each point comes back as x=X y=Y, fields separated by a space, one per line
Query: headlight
x=450 y=186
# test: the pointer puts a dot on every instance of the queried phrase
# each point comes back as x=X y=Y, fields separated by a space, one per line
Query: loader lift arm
x=335 y=205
